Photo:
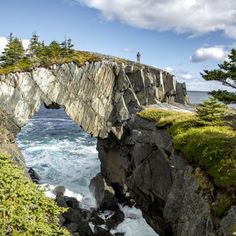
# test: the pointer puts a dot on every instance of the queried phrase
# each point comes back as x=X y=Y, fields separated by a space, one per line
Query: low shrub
x=24 y=208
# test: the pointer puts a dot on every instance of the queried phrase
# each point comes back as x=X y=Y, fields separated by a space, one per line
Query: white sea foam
x=49 y=119
x=50 y=193
x=63 y=155
x=134 y=224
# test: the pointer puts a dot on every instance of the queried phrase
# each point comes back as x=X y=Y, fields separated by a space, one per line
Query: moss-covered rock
x=211 y=147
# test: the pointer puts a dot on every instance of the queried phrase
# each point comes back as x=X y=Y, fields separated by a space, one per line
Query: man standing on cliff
x=138 y=57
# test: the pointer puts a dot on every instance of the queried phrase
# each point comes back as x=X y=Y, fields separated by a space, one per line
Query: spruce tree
x=211 y=112
x=13 y=52
x=225 y=74
x=67 y=47
x=55 y=49
x=35 y=46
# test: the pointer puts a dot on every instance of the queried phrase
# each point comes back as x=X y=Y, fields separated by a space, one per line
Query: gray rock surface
x=103 y=193
x=164 y=185
x=103 y=97
x=98 y=96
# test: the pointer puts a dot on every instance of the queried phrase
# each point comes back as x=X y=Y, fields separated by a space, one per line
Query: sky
x=183 y=37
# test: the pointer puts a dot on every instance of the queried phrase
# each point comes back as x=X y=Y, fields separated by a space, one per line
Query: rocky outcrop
x=137 y=159
x=163 y=184
x=98 y=96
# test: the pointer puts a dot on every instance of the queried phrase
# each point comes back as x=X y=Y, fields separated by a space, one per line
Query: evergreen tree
x=67 y=47
x=211 y=112
x=225 y=74
x=69 y=44
x=13 y=52
x=55 y=49
x=35 y=46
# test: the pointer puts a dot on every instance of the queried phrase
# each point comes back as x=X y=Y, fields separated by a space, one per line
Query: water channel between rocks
x=63 y=154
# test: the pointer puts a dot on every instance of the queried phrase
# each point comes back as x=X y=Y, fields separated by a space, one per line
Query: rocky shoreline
x=98 y=221
x=138 y=161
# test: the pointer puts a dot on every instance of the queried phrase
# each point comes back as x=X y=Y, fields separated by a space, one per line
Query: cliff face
x=175 y=197
x=103 y=97
x=98 y=96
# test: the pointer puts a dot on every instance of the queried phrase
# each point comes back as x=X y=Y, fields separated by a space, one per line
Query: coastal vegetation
x=207 y=140
x=24 y=208
x=15 y=58
x=225 y=74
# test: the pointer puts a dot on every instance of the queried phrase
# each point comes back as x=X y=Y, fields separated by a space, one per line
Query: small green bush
x=211 y=112
x=24 y=208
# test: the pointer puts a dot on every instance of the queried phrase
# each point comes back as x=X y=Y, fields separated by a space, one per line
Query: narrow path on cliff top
x=63 y=154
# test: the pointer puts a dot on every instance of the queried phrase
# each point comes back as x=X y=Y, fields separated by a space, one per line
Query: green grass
x=224 y=203
x=78 y=57
x=24 y=208
x=210 y=147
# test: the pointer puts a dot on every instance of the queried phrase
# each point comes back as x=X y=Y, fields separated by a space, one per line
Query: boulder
x=74 y=215
x=103 y=193
x=115 y=219
x=59 y=190
x=71 y=202
x=60 y=200
x=34 y=175
x=72 y=227
x=99 y=231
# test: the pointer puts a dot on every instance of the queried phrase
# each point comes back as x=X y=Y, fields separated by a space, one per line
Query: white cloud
x=3 y=43
x=210 y=53
x=130 y=50
x=169 y=69
x=196 y=83
x=185 y=76
x=183 y=16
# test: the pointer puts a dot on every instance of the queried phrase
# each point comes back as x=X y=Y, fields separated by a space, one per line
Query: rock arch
x=99 y=96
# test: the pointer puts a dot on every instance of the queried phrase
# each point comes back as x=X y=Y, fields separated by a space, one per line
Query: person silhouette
x=138 y=57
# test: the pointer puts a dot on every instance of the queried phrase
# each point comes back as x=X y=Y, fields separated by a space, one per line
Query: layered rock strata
x=136 y=157
x=98 y=96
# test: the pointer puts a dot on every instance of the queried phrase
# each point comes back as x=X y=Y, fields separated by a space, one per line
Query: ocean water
x=197 y=97
x=63 y=154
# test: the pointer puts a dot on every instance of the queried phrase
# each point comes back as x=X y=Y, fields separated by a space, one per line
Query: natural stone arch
x=76 y=89
x=99 y=96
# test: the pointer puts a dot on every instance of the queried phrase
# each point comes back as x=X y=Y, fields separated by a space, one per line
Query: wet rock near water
x=103 y=193
x=79 y=221
x=34 y=175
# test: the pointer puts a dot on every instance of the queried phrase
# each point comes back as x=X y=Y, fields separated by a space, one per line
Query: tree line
x=15 y=55
x=14 y=52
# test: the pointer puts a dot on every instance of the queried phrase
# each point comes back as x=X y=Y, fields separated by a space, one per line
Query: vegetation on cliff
x=206 y=138
x=225 y=74
x=15 y=58
x=24 y=208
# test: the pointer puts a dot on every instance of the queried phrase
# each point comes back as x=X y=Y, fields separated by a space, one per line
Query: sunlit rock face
x=99 y=96
x=102 y=97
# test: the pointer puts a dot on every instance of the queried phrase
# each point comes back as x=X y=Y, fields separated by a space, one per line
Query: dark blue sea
x=63 y=154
